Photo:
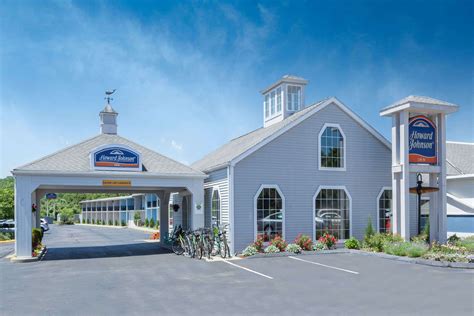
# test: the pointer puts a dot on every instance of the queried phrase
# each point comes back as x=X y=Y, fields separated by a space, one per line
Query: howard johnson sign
x=115 y=157
x=422 y=140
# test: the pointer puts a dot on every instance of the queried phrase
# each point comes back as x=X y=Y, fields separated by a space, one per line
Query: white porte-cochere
x=106 y=163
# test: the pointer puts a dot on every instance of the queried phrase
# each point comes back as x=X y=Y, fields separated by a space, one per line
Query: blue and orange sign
x=116 y=157
x=422 y=140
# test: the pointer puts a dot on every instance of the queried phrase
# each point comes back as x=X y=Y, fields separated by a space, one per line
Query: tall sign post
x=419 y=146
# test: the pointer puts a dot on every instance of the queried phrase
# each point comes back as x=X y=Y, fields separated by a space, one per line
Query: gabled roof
x=76 y=159
x=460 y=158
x=419 y=102
x=238 y=148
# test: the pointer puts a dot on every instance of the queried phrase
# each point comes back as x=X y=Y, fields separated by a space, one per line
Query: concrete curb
x=303 y=253
x=7 y=241
x=107 y=226
x=426 y=262
x=30 y=259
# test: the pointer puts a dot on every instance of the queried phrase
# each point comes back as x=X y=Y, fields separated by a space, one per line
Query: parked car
x=269 y=223
x=44 y=225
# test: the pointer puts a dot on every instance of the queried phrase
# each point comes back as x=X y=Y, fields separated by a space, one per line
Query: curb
x=30 y=259
x=425 y=262
x=7 y=241
x=107 y=226
x=303 y=253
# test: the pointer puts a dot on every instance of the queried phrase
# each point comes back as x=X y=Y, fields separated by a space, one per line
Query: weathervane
x=108 y=94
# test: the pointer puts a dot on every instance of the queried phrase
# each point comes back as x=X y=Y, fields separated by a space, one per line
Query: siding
x=217 y=179
x=291 y=162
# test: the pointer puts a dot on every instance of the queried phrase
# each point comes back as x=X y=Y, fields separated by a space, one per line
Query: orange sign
x=116 y=183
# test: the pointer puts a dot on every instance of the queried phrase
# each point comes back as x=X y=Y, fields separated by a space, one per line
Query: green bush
x=294 y=248
x=416 y=250
x=83 y=221
x=36 y=237
x=137 y=218
x=152 y=223
x=110 y=222
x=249 y=251
x=7 y=236
x=103 y=222
x=369 y=230
x=147 y=222
x=93 y=221
x=116 y=222
x=467 y=243
x=450 y=257
x=272 y=249
x=66 y=216
x=317 y=246
x=453 y=239
x=304 y=241
x=123 y=223
x=352 y=243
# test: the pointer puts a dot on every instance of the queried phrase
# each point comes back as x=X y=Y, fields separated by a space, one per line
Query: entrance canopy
x=106 y=163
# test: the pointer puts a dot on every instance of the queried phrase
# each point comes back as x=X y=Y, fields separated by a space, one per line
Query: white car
x=44 y=225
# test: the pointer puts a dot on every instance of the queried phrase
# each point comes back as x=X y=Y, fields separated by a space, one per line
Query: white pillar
x=442 y=203
x=197 y=205
x=395 y=173
x=405 y=178
x=23 y=217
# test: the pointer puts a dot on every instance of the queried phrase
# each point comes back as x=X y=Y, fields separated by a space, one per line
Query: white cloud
x=176 y=146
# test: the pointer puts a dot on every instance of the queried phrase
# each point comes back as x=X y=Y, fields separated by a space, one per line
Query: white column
x=23 y=217
x=197 y=205
x=405 y=178
x=442 y=207
x=395 y=174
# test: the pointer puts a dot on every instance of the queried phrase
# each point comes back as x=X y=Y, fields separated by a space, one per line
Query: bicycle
x=220 y=239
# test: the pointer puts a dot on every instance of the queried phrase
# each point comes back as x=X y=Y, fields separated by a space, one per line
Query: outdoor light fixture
x=419 y=190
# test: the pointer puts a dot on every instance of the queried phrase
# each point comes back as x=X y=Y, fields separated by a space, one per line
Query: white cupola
x=282 y=99
x=108 y=120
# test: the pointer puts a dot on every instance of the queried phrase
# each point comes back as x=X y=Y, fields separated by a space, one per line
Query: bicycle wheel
x=190 y=246
x=209 y=247
x=224 y=249
x=176 y=247
x=199 y=250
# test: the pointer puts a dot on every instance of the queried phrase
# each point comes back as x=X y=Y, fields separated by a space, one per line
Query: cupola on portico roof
x=108 y=120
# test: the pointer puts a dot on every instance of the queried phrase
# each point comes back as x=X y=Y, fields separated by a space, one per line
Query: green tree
x=7 y=198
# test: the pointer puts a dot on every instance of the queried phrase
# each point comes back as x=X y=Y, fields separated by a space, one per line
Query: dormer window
x=278 y=100
x=272 y=103
x=267 y=105
x=294 y=98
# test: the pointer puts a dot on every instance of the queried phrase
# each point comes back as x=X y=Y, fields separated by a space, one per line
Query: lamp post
x=419 y=190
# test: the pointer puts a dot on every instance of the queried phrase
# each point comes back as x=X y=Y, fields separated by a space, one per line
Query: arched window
x=332 y=148
x=216 y=208
x=269 y=213
x=332 y=212
x=384 y=214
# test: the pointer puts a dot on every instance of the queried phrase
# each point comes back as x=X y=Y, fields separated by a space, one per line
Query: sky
x=188 y=73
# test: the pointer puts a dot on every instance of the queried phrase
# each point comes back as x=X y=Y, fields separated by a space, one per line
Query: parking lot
x=96 y=271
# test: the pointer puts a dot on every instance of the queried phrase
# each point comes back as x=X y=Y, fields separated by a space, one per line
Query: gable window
x=269 y=213
x=272 y=103
x=332 y=212
x=294 y=98
x=385 y=211
x=215 y=208
x=332 y=148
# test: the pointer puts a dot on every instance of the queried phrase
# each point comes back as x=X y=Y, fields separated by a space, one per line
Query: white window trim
x=268 y=186
x=300 y=105
x=277 y=113
x=217 y=188
x=326 y=125
x=377 y=218
x=335 y=187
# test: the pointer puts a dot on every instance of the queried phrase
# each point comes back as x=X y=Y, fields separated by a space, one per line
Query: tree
x=7 y=198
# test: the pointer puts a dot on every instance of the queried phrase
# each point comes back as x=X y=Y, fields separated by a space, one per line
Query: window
x=278 y=100
x=216 y=208
x=331 y=147
x=294 y=98
x=272 y=103
x=267 y=105
x=269 y=213
x=332 y=207
x=385 y=211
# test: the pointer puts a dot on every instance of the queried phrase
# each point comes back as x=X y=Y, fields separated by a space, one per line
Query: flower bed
x=302 y=244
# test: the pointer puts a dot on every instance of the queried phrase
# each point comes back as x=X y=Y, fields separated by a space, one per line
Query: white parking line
x=249 y=270
x=323 y=265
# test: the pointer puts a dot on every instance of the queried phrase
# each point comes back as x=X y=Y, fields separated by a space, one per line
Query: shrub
x=450 y=257
x=36 y=237
x=421 y=238
x=250 y=251
x=416 y=250
x=116 y=222
x=369 y=230
x=258 y=244
x=123 y=223
x=110 y=222
x=453 y=239
x=147 y=223
x=294 y=248
x=137 y=218
x=317 y=246
x=280 y=243
x=83 y=221
x=272 y=249
x=7 y=236
x=396 y=249
x=152 y=223
x=352 y=243
x=103 y=222
x=328 y=240
x=304 y=242
x=93 y=221
x=467 y=243
x=88 y=221
x=66 y=216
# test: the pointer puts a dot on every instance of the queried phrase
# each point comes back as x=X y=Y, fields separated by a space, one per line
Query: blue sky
x=188 y=74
